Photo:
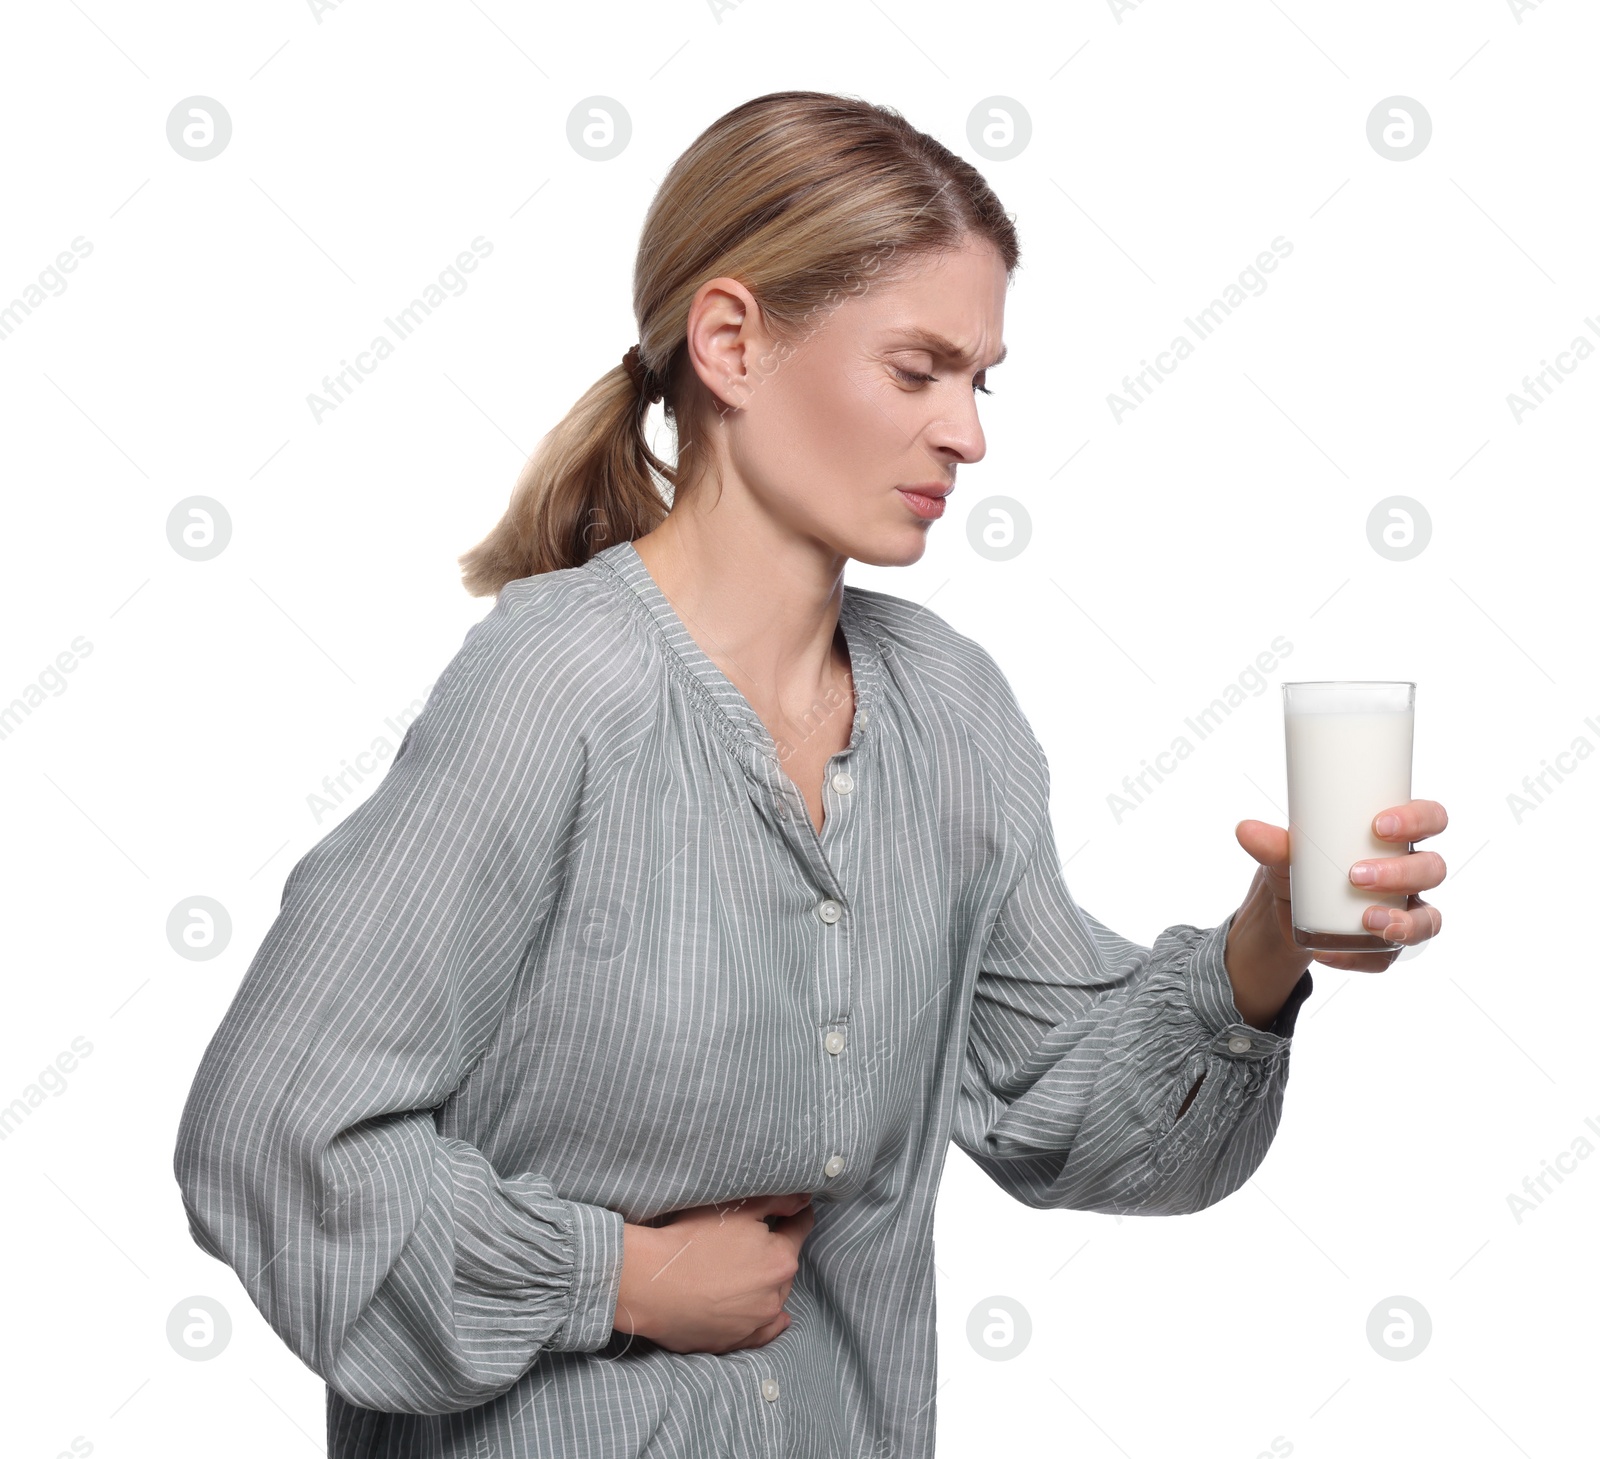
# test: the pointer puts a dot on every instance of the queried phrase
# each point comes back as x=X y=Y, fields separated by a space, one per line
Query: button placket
x=838 y=1117
x=769 y=1418
x=835 y=982
x=801 y=837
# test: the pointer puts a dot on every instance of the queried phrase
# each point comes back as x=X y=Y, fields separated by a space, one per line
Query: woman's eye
x=920 y=379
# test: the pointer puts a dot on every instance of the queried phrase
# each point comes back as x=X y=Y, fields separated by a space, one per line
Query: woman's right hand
x=713 y=1278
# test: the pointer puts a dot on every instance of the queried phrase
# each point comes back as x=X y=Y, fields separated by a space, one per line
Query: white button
x=834 y=1041
x=1239 y=1044
x=834 y=1166
x=769 y=1389
x=780 y=807
x=828 y=910
x=844 y=782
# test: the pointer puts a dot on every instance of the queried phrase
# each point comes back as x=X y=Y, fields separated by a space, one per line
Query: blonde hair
x=804 y=197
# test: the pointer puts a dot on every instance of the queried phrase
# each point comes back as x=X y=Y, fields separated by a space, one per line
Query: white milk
x=1345 y=765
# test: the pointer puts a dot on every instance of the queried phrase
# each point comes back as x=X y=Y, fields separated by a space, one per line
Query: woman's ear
x=725 y=339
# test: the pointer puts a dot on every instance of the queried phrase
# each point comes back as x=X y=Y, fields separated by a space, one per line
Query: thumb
x=1268 y=844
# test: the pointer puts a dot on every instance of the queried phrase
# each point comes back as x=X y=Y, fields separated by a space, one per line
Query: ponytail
x=587 y=485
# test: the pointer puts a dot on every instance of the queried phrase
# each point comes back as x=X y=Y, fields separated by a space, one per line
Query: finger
x=1418 y=922
x=805 y=1216
x=763 y=1334
x=1413 y=820
x=794 y=1229
x=774 y=1210
x=1413 y=873
x=781 y=1205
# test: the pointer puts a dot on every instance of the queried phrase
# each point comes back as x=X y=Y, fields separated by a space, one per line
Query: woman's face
x=826 y=432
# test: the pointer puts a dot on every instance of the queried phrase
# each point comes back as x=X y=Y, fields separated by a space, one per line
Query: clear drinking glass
x=1348 y=744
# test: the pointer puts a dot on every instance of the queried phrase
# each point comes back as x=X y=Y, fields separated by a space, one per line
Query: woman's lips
x=930 y=508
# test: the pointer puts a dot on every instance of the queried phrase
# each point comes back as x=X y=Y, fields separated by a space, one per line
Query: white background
x=1170 y=145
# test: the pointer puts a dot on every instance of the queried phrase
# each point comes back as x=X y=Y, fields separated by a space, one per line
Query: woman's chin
x=892 y=549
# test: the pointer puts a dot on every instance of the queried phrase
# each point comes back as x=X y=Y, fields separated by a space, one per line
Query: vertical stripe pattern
x=581 y=959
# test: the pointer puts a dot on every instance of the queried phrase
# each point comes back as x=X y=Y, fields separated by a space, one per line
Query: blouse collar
x=728 y=709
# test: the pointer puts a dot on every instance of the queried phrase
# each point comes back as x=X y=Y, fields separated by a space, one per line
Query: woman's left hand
x=1411 y=872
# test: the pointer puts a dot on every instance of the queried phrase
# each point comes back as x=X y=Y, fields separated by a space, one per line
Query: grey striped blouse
x=582 y=958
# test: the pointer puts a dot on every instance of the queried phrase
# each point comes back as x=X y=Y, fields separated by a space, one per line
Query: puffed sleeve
x=1083 y=1045
x=401 y=1266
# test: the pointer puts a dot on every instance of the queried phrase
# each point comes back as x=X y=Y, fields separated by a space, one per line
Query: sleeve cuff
x=596 y=1279
x=1211 y=993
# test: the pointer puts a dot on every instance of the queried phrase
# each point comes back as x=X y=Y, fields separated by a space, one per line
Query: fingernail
x=1388 y=825
x=1363 y=874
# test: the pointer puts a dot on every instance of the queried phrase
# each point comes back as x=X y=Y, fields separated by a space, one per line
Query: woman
x=590 y=1093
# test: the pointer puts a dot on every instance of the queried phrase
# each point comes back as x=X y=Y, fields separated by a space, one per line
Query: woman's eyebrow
x=944 y=348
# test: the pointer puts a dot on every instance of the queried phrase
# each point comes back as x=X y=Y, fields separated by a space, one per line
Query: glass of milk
x=1349 y=751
